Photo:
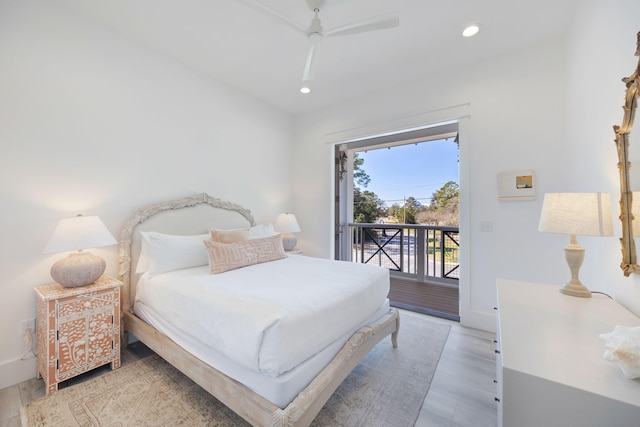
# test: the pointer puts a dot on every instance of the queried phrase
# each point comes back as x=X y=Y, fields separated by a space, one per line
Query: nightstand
x=78 y=329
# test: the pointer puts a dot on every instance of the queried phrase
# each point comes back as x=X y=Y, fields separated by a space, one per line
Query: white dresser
x=551 y=370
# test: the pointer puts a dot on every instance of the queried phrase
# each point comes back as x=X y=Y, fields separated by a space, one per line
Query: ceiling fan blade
x=307 y=75
x=255 y=4
x=380 y=22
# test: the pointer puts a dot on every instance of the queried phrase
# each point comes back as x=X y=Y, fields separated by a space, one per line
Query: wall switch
x=486 y=226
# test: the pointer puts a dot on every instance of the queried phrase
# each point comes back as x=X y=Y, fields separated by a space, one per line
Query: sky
x=413 y=170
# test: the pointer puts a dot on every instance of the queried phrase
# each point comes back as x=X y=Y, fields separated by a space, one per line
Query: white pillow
x=161 y=253
x=239 y=234
x=143 y=258
x=260 y=231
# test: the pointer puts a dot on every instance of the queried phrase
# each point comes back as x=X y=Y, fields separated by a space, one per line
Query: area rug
x=386 y=389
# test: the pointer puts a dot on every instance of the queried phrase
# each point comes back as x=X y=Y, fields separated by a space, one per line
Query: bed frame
x=244 y=402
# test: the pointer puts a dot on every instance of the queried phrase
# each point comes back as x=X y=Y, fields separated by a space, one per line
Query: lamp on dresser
x=287 y=224
x=80 y=268
x=585 y=214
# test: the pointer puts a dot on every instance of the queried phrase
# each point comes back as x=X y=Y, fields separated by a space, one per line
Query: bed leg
x=124 y=338
x=394 y=334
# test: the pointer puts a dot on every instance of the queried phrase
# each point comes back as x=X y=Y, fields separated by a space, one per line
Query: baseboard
x=16 y=371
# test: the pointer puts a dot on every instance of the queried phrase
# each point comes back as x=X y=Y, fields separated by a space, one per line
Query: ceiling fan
x=315 y=32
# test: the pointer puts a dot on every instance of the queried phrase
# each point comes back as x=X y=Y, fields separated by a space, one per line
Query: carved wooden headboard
x=190 y=215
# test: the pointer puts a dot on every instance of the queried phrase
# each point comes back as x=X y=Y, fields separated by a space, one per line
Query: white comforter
x=268 y=317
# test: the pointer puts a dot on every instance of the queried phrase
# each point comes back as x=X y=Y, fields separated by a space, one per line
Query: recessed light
x=471 y=30
x=306 y=86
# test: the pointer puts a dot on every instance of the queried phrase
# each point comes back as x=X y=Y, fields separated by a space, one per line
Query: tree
x=406 y=213
x=428 y=216
x=360 y=177
x=448 y=215
x=393 y=210
x=412 y=202
x=367 y=206
x=443 y=209
x=447 y=192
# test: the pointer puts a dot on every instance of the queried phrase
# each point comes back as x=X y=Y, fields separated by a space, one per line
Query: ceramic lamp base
x=289 y=241
x=576 y=290
x=574 y=255
x=78 y=269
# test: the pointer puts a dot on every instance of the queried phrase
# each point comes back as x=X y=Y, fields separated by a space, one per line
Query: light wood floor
x=462 y=390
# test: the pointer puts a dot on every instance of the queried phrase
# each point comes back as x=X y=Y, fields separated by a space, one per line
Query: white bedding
x=271 y=317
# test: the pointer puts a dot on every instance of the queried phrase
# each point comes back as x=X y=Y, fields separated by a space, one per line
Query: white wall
x=549 y=108
x=601 y=50
x=516 y=109
x=92 y=124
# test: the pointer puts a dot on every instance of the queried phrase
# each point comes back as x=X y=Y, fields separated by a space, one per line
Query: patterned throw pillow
x=230 y=256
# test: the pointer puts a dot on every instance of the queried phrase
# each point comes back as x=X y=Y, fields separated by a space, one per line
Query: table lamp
x=286 y=224
x=585 y=214
x=80 y=268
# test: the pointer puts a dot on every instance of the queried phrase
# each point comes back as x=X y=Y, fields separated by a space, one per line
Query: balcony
x=422 y=259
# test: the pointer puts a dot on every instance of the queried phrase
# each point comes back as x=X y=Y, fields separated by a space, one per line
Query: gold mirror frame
x=629 y=261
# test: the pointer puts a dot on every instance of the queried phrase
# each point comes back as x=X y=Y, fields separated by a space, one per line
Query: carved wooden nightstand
x=78 y=329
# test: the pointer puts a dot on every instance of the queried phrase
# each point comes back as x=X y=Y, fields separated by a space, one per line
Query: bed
x=272 y=363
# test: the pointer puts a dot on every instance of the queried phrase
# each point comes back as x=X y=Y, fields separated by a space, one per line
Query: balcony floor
x=426 y=298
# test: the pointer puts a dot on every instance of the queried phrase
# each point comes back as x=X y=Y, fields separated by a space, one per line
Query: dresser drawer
x=78 y=305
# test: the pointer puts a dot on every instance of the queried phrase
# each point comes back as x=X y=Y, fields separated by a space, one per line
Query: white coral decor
x=622 y=346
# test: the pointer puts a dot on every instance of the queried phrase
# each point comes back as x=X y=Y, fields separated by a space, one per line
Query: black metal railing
x=426 y=252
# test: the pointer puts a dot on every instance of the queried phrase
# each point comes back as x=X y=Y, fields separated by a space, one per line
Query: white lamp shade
x=584 y=214
x=286 y=223
x=77 y=233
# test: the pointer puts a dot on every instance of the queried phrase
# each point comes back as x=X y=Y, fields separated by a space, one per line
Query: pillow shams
x=260 y=231
x=230 y=256
x=161 y=253
x=239 y=234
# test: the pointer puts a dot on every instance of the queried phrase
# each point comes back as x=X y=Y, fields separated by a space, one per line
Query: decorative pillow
x=239 y=234
x=230 y=236
x=161 y=253
x=230 y=256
